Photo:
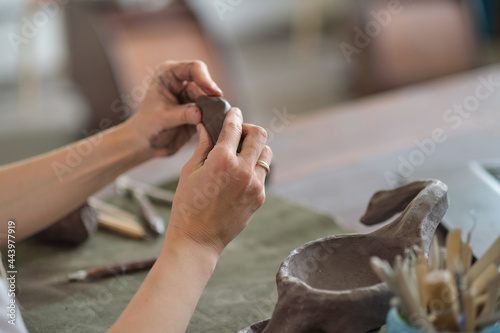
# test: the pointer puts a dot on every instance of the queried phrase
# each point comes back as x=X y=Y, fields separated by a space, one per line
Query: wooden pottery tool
x=152 y=221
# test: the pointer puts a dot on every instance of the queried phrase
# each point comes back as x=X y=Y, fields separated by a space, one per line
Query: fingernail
x=238 y=110
x=198 y=128
x=216 y=88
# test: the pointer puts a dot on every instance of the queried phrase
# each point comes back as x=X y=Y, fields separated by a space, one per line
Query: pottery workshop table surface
x=335 y=159
x=241 y=291
x=331 y=160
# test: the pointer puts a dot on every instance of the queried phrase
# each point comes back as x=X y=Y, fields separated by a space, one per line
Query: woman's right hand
x=219 y=189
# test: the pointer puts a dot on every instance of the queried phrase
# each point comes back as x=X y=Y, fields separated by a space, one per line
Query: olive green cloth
x=241 y=291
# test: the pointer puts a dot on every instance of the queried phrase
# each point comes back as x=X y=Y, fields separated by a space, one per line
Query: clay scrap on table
x=328 y=286
x=74 y=228
x=213 y=110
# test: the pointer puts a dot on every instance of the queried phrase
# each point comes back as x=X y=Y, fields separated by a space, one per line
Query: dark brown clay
x=213 y=110
x=328 y=286
x=73 y=229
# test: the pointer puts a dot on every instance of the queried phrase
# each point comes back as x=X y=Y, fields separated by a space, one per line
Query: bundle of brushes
x=445 y=293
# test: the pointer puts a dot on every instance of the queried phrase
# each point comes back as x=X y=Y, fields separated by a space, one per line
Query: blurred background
x=69 y=68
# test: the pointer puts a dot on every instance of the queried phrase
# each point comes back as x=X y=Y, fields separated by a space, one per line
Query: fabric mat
x=242 y=290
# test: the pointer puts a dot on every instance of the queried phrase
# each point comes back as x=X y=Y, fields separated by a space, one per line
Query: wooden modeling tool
x=121 y=226
x=450 y=299
x=154 y=193
x=435 y=252
x=491 y=256
x=440 y=289
x=483 y=280
x=453 y=244
x=491 y=301
x=150 y=218
x=115 y=219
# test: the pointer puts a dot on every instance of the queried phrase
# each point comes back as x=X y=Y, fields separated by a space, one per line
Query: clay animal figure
x=328 y=286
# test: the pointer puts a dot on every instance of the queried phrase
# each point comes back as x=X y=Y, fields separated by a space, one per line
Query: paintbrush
x=109 y=270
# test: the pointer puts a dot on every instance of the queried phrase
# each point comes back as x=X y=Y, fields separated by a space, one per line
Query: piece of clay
x=328 y=286
x=213 y=111
x=72 y=229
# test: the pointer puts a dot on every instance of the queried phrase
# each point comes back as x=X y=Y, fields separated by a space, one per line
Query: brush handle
x=111 y=270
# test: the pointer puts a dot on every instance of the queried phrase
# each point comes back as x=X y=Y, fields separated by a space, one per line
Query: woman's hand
x=219 y=189
x=218 y=192
x=167 y=116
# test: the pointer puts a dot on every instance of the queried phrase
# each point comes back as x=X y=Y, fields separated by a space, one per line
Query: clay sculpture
x=213 y=110
x=328 y=286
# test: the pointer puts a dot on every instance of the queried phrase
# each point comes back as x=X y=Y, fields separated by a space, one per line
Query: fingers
x=203 y=148
x=254 y=140
x=190 y=93
x=174 y=74
x=230 y=134
x=184 y=114
x=266 y=156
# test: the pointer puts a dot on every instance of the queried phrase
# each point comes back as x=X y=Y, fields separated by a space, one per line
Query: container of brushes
x=396 y=324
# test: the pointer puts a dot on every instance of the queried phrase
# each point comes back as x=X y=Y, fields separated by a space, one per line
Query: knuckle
x=166 y=65
x=261 y=198
x=260 y=132
x=245 y=176
x=268 y=152
x=233 y=125
x=254 y=189
x=226 y=160
x=185 y=170
x=198 y=64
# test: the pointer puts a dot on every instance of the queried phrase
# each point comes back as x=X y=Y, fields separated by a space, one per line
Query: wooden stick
x=446 y=320
x=122 y=226
x=435 y=254
x=480 y=300
x=453 y=243
x=442 y=258
x=466 y=256
x=470 y=313
x=491 y=301
x=440 y=287
x=421 y=271
x=417 y=316
x=109 y=209
x=482 y=281
x=491 y=256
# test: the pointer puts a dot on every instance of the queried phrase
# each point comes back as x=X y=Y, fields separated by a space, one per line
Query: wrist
x=134 y=141
x=178 y=244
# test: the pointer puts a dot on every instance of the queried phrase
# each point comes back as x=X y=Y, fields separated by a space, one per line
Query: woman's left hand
x=167 y=116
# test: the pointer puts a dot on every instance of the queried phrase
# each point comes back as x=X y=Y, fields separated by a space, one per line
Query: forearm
x=168 y=296
x=39 y=191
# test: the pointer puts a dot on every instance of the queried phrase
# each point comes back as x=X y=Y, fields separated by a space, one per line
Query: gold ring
x=264 y=165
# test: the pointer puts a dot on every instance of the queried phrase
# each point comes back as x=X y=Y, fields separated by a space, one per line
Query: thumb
x=204 y=145
x=183 y=114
